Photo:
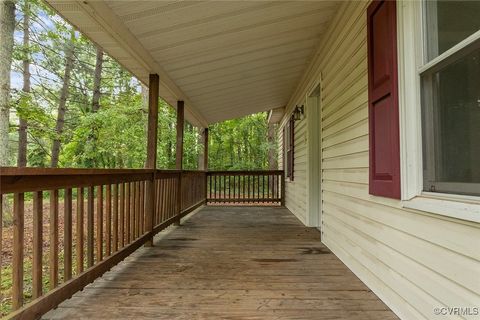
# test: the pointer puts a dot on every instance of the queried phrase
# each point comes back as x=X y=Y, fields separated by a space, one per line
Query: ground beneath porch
x=229 y=263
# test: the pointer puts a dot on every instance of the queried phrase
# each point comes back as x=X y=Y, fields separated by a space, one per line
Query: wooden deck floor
x=229 y=263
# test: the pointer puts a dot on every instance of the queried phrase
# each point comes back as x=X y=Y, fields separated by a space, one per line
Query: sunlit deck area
x=229 y=263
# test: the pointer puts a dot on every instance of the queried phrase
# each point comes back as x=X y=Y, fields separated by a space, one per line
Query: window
x=289 y=142
x=450 y=93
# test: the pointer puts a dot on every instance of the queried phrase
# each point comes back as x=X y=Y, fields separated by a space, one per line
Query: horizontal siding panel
x=360 y=99
x=387 y=293
x=356 y=145
x=454 y=235
x=355 y=69
x=353 y=175
x=412 y=247
x=357 y=85
x=420 y=300
x=356 y=160
x=296 y=191
x=358 y=129
x=354 y=117
x=351 y=55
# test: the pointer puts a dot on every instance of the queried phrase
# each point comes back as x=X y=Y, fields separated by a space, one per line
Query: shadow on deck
x=229 y=263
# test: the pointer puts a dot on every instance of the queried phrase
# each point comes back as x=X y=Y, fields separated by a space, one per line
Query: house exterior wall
x=415 y=261
x=296 y=190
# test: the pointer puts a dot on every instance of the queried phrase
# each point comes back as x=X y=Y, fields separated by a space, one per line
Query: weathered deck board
x=229 y=263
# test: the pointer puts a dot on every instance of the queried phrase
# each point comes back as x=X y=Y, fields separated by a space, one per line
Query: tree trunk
x=145 y=91
x=169 y=146
x=97 y=79
x=272 y=159
x=201 y=143
x=7 y=27
x=23 y=125
x=62 y=105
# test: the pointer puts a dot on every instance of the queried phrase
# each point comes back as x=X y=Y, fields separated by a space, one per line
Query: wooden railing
x=106 y=214
x=246 y=187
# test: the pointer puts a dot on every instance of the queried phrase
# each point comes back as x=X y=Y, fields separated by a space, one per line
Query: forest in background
x=65 y=103
x=68 y=104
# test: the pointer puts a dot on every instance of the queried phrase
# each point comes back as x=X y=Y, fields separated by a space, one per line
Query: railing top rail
x=13 y=179
x=245 y=172
x=15 y=171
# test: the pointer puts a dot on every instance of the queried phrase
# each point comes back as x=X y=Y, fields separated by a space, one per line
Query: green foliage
x=239 y=144
x=115 y=135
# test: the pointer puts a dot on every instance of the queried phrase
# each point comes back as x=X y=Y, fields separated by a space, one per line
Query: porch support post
x=179 y=157
x=151 y=162
x=205 y=149
x=205 y=159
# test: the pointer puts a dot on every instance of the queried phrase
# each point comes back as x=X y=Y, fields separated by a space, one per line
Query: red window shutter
x=383 y=100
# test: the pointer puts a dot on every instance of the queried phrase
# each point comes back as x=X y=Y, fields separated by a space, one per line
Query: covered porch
x=178 y=244
x=229 y=262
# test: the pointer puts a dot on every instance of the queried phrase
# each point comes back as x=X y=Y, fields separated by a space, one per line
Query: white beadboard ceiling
x=225 y=59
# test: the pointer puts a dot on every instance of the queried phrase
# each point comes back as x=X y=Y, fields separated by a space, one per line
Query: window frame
x=411 y=65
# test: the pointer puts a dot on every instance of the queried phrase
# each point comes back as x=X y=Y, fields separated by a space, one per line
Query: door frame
x=314 y=146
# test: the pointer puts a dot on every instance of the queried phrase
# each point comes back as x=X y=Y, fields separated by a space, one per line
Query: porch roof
x=225 y=59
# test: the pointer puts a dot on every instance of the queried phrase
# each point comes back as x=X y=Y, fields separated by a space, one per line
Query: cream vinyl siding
x=296 y=190
x=414 y=261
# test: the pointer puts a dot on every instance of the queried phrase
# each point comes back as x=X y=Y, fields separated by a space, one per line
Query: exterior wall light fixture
x=299 y=113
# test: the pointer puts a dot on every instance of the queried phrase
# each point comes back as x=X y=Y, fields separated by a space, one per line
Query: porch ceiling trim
x=223 y=59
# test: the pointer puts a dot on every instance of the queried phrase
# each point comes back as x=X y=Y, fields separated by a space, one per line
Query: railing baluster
x=115 y=218
x=99 y=223
x=161 y=202
x=132 y=211
x=37 y=244
x=142 y=207
x=79 y=230
x=53 y=233
x=18 y=250
x=122 y=215
x=210 y=186
x=67 y=235
x=108 y=219
x=90 y=226
x=163 y=199
x=248 y=186
x=137 y=209
x=243 y=192
x=127 y=213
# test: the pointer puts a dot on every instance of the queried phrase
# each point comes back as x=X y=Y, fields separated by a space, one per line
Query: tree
x=7 y=28
x=62 y=106
x=23 y=123
x=83 y=109
x=272 y=148
x=97 y=80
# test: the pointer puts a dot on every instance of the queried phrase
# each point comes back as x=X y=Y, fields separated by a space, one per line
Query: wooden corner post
x=179 y=157
x=151 y=162
x=205 y=159
x=205 y=149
